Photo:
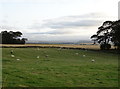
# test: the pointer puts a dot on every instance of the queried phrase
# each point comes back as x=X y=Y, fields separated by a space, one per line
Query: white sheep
x=38 y=56
x=12 y=55
x=46 y=55
x=93 y=60
x=84 y=55
x=38 y=49
x=76 y=53
x=17 y=59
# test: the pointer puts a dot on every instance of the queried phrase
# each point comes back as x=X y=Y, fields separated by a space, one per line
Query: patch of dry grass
x=86 y=46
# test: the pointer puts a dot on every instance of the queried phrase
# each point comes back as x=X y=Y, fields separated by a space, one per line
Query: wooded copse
x=12 y=37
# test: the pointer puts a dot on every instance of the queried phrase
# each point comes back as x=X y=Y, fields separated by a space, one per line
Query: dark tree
x=103 y=36
x=12 y=37
x=108 y=32
x=116 y=33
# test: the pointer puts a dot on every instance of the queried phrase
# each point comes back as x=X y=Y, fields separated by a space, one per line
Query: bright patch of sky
x=56 y=20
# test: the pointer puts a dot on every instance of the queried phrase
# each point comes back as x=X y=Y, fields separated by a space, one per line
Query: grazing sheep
x=84 y=55
x=93 y=60
x=38 y=56
x=12 y=55
x=76 y=53
x=17 y=59
x=38 y=49
x=59 y=49
x=46 y=55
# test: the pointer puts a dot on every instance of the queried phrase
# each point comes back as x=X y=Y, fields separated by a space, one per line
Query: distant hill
x=58 y=42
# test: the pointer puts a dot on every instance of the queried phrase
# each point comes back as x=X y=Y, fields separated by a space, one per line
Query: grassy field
x=55 y=67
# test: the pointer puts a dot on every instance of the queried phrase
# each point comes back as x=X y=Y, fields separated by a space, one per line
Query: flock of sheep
x=12 y=55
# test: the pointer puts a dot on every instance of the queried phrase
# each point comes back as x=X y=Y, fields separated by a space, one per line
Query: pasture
x=56 y=67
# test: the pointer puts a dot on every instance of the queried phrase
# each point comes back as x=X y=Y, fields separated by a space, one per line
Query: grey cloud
x=55 y=32
x=86 y=20
x=72 y=24
x=61 y=23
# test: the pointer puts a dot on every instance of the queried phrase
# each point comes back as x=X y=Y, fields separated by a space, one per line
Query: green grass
x=62 y=68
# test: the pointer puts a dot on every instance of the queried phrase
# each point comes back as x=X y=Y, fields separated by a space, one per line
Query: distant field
x=55 y=67
x=86 y=46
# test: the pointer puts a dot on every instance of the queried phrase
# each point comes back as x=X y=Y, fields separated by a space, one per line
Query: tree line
x=12 y=37
x=107 y=34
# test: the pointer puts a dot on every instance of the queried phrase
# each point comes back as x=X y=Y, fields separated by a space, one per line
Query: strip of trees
x=12 y=37
x=107 y=34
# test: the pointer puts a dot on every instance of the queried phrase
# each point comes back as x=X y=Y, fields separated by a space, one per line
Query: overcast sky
x=56 y=20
